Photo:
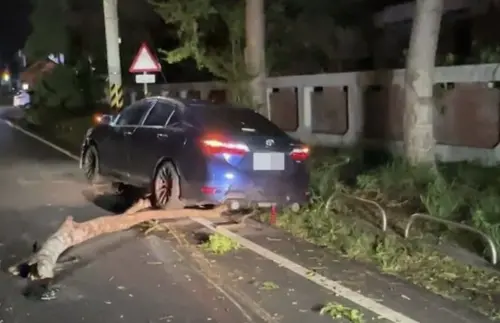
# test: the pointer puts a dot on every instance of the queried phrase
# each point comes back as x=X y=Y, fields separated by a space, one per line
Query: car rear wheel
x=91 y=165
x=166 y=188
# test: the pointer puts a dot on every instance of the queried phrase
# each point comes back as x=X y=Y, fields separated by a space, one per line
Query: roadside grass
x=72 y=131
x=67 y=133
x=461 y=192
x=66 y=128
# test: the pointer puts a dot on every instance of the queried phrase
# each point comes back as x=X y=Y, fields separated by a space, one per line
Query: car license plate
x=268 y=161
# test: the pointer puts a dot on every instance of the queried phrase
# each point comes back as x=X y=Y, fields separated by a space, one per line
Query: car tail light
x=300 y=153
x=218 y=145
x=209 y=190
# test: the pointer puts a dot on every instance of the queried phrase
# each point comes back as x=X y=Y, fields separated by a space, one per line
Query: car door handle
x=128 y=133
x=161 y=135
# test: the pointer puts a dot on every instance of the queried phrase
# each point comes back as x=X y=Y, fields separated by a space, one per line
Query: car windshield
x=236 y=121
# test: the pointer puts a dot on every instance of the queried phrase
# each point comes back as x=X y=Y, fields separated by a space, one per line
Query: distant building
x=33 y=72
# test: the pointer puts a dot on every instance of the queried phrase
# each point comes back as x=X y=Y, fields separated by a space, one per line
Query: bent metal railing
x=487 y=238
x=382 y=212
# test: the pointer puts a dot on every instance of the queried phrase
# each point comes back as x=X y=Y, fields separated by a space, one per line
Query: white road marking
x=333 y=286
x=48 y=143
x=322 y=281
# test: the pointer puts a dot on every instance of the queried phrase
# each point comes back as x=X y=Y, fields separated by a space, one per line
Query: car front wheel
x=91 y=165
x=166 y=188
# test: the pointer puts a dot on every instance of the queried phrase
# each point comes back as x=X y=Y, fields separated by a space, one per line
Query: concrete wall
x=346 y=108
x=405 y=11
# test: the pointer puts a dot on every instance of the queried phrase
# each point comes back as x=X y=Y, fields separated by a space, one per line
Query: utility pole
x=110 y=8
x=255 y=52
x=419 y=141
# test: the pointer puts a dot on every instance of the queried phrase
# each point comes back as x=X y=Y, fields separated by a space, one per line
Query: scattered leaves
x=338 y=311
x=268 y=285
x=219 y=244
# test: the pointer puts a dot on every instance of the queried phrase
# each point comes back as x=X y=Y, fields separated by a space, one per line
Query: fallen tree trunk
x=72 y=233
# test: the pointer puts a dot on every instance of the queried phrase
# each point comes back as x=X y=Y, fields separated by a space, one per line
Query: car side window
x=174 y=120
x=159 y=114
x=132 y=115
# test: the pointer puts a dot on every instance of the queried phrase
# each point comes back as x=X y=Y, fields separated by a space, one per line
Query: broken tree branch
x=43 y=263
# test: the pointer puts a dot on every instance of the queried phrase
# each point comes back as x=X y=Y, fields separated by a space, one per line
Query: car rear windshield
x=236 y=121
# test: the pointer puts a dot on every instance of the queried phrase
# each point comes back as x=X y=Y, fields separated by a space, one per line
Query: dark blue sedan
x=195 y=153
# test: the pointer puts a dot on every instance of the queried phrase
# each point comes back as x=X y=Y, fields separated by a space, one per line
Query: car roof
x=226 y=116
x=179 y=101
x=193 y=105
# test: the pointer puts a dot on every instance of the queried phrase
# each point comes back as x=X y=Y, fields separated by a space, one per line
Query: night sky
x=14 y=27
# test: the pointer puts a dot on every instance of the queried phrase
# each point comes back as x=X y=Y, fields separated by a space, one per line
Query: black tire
x=91 y=165
x=166 y=191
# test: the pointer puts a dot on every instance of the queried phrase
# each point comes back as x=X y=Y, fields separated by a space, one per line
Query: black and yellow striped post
x=116 y=96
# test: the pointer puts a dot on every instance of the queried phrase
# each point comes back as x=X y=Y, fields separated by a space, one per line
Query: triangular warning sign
x=144 y=61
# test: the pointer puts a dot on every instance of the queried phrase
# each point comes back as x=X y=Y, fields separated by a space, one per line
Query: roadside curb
x=332 y=286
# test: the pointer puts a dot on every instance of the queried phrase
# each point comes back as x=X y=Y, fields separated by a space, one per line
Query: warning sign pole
x=145 y=86
x=143 y=66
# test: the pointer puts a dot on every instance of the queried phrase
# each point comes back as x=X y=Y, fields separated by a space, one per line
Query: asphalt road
x=124 y=277
x=127 y=277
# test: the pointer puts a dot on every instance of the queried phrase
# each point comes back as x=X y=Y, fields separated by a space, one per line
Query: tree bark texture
x=72 y=233
x=255 y=53
x=419 y=139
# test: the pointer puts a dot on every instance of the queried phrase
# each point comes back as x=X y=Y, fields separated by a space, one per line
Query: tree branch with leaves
x=201 y=25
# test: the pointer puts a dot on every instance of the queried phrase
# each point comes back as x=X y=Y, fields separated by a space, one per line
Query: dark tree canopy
x=49 y=29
